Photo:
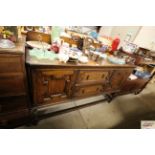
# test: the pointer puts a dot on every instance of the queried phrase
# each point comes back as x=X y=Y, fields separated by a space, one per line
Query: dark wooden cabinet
x=13 y=87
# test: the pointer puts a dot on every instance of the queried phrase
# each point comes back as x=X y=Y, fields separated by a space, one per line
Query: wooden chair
x=38 y=36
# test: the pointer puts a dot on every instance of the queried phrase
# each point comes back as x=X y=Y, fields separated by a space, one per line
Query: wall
x=142 y=36
x=81 y=29
x=122 y=31
x=105 y=30
x=146 y=37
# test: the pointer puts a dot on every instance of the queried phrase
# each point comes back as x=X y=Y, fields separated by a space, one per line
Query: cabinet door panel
x=52 y=85
x=133 y=85
x=118 y=78
x=12 y=85
x=56 y=86
x=10 y=63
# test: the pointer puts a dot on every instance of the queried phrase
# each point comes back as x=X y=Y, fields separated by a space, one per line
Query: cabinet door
x=118 y=78
x=133 y=85
x=51 y=86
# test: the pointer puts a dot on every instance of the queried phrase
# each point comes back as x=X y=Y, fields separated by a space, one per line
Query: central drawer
x=88 y=90
x=92 y=76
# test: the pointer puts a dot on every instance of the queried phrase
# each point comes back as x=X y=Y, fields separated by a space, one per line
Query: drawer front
x=92 y=76
x=11 y=85
x=10 y=63
x=88 y=90
x=13 y=104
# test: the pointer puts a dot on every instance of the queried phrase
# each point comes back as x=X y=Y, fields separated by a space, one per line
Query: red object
x=55 y=48
x=115 y=44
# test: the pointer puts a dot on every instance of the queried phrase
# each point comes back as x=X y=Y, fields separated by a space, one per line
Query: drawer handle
x=87 y=77
x=103 y=76
x=0 y=108
x=83 y=91
x=97 y=89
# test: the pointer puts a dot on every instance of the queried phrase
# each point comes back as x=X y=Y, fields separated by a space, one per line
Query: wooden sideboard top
x=32 y=61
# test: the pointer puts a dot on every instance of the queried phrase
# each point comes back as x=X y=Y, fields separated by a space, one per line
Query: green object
x=41 y=54
x=56 y=30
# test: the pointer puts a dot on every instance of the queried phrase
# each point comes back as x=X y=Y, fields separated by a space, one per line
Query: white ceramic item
x=38 y=44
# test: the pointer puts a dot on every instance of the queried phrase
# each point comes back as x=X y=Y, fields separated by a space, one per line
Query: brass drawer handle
x=103 y=76
x=83 y=91
x=87 y=77
x=97 y=89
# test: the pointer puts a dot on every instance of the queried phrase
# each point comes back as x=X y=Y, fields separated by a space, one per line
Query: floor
x=124 y=112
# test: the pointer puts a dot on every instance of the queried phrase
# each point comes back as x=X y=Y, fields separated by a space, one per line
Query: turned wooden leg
x=138 y=91
x=109 y=97
x=33 y=120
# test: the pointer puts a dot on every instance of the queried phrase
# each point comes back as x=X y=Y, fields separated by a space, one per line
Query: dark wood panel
x=13 y=104
x=9 y=120
x=119 y=77
x=12 y=85
x=38 y=36
x=132 y=85
x=10 y=63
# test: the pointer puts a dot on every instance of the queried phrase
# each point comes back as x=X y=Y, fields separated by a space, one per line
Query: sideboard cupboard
x=54 y=83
